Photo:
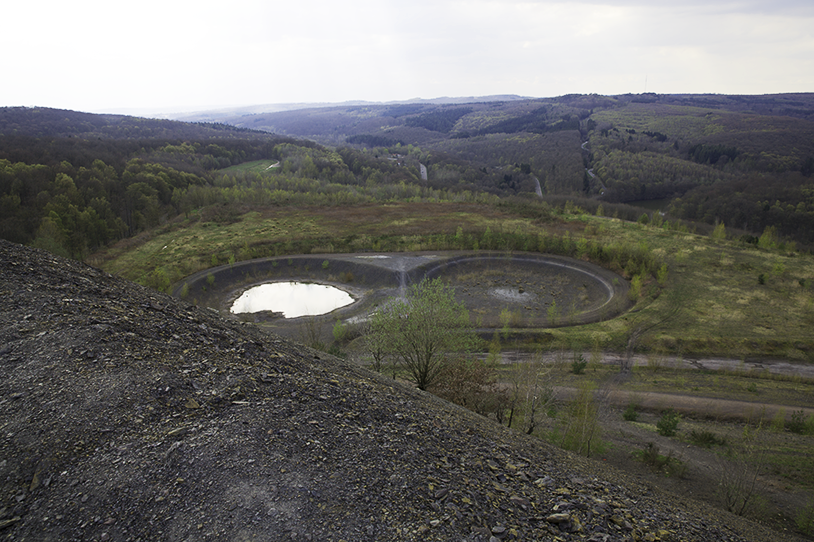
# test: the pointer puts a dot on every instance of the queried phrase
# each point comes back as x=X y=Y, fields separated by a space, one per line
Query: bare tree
x=376 y=345
x=530 y=392
x=740 y=470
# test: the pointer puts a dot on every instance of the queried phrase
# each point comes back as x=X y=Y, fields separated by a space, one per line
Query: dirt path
x=710 y=407
x=779 y=367
x=714 y=408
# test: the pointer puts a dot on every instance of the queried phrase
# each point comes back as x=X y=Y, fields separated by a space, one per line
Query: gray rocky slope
x=126 y=414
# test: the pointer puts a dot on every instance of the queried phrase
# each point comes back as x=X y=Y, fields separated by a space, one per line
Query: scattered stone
x=558 y=518
x=9 y=522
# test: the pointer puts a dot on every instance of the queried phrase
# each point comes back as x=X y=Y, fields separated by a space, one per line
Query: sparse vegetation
x=666 y=464
x=667 y=425
x=707 y=439
x=805 y=519
x=631 y=413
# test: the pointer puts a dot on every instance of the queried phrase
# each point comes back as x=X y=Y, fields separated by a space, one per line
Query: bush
x=799 y=424
x=631 y=413
x=579 y=364
x=668 y=424
x=805 y=519
x=340 y=331
x=667 y=464
x=335 y=350
x=707 y=439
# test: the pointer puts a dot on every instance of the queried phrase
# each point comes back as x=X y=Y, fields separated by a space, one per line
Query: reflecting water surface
x=293 y=299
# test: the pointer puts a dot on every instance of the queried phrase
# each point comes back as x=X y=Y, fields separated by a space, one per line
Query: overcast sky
x=104 y=56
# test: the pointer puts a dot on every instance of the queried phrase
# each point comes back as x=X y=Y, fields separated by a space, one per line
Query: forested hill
x=73 y=182
x=47 y=122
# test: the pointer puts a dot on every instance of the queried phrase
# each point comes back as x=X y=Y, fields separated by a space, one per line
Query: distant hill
x=60 y=123
x=230 y=112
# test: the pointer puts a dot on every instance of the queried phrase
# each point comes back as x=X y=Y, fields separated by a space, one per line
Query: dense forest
x=74 y=182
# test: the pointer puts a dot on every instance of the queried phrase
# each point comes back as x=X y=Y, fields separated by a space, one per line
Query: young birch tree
x=423 y=328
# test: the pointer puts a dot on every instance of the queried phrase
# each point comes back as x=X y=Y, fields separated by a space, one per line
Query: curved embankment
x=528 y=290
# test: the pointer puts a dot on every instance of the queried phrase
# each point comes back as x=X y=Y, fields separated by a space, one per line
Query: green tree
x=581 y=430
x=719 y=232
x=423 y=328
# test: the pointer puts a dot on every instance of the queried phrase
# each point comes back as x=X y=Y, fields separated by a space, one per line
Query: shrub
x=471 y=383
x=805 y=519
x=661 y=275
x=799 y=424
x=635 y=288
x=553 y=314
x=707 y=439
x=668 y=423
x=719 y=232
x=340 y=331
x=631 y=413
x=335 y=350
x=579 y=364
x=739 y=470
x=778 y=424
x=667 y=464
